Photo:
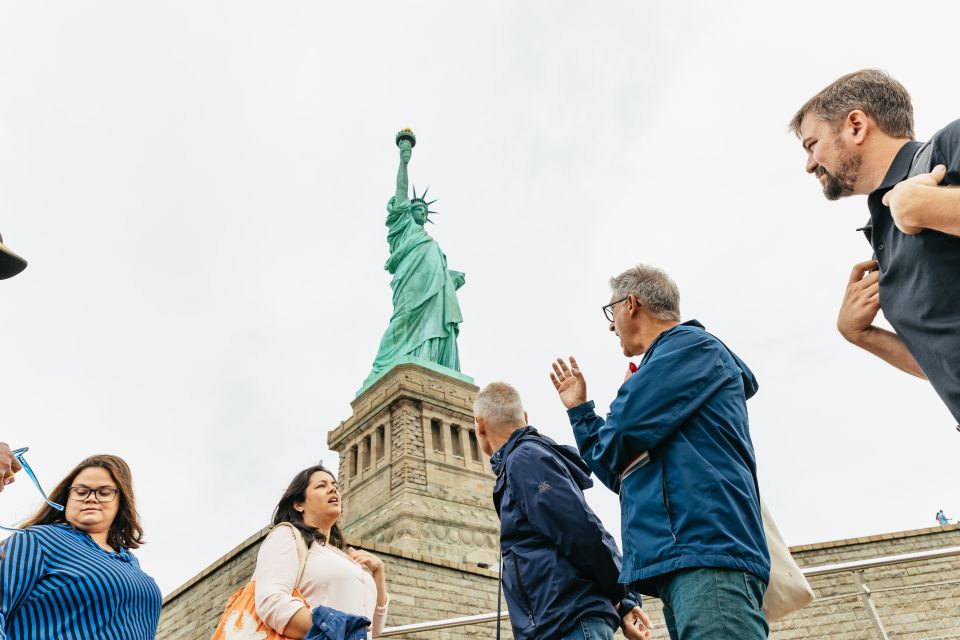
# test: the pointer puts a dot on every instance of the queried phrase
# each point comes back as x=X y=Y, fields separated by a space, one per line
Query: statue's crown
x=422 y=200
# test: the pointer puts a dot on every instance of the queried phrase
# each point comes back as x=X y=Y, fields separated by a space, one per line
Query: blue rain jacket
x=559 y=564
x=696 y=502
x=330 y=624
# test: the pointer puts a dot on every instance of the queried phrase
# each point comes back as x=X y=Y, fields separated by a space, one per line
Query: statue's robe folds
x=426 y=314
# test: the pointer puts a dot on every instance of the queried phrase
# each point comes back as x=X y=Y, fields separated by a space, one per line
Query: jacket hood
x=750 y=384
x=578 y=469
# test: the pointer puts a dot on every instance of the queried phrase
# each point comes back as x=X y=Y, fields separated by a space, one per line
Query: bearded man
x=858 y=136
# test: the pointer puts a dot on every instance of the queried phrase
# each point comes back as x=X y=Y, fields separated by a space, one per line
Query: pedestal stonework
x=411 y=471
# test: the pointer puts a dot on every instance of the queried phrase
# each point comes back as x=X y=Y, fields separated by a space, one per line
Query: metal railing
x=869 y=626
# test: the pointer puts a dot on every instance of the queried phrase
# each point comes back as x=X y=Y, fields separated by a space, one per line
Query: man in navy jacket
x=676 y=447
x=560 y=566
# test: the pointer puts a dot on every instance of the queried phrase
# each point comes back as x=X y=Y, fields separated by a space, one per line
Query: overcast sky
x=200 y=186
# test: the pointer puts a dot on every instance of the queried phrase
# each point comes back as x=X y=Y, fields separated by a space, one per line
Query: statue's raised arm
x=405 y=142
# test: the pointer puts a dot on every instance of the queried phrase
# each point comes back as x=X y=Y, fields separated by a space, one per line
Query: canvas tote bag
x=240 y=620
x=788 y=590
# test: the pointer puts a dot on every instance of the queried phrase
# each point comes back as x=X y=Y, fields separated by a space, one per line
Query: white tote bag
x=788 y=590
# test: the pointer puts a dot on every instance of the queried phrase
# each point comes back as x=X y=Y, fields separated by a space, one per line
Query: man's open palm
x=569 y=383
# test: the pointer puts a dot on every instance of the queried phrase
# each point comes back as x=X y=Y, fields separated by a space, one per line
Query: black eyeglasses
x=18 y=454
x=608 y=308
x=102 y=494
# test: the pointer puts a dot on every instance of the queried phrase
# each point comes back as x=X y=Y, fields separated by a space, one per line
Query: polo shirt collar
x=900 y=167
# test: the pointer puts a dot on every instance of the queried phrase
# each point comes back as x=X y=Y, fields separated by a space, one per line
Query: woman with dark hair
x=70 y=574
x=352 y=581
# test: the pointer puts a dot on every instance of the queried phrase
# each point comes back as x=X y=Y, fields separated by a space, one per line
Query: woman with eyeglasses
x=349 y=581
x=70 y=573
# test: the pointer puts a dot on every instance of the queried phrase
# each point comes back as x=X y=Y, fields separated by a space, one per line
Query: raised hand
x=905 y=197
x=9 y=465
x=569 y=383
x=861 y=301
x=367 y=559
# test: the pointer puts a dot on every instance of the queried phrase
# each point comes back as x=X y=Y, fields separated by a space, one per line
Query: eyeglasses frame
x=608 y=308
x=95 y=492
x=19 y=455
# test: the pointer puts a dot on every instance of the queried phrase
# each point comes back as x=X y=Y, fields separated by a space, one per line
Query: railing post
x=870 y=606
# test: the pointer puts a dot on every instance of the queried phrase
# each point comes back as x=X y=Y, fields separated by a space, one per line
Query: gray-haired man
x=560 y=566
x=676 y=447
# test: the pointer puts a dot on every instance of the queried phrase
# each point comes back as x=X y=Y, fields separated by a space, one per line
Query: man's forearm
x=887 y=346
x=936 y=208
x=585 y=424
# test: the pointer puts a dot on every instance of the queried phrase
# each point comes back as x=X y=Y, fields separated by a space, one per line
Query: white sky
x=200 y=188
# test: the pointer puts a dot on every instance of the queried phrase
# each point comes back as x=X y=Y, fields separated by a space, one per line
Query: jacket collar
x=671 y=330
x=499 y=456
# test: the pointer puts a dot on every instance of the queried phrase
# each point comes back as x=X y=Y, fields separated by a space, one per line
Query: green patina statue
x=426 y=315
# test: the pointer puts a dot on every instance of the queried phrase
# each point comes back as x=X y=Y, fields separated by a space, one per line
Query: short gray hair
x=499 y=404
x=653 y=289
x=869 y=90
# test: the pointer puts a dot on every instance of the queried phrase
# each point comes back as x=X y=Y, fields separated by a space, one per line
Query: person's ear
x=481 y=426
x=526 y=420
x=856 y=126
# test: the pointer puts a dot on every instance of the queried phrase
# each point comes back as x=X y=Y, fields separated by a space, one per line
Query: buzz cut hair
x=653 y=289
x=499 y=404
x=872 y=91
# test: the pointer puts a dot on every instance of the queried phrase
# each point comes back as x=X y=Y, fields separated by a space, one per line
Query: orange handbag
x=240 y=620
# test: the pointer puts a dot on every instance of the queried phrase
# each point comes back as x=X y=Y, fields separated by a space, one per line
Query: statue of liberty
x=426 y=315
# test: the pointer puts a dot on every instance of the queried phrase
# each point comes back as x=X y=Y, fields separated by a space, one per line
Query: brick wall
x=428 y=588
x=421 y=588
x=914 y=600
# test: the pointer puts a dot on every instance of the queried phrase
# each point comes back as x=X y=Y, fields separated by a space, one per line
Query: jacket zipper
x=666 y=500
x=523 y=593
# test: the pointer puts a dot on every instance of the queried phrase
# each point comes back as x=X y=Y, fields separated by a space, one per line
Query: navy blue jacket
x=331 y=624
x=696 y=502
x=559 y=564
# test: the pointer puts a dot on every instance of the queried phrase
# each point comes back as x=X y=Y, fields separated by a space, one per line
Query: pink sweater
x=330 y=578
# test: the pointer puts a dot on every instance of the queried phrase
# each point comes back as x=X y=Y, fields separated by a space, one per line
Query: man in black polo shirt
x=858 y=135
x=10 y=265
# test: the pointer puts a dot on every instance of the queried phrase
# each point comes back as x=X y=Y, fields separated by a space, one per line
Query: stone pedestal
x=411 y=471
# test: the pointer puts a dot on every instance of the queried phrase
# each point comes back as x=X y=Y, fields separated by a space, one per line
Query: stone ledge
x=218 y=563
x=396 y=384
x=897 y=535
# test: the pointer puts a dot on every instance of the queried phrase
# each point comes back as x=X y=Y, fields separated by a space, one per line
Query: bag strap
x=499 y=595
x=302 y=550
x=921 y=159
x=500 y=574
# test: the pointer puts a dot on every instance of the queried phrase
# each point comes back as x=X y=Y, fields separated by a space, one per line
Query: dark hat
x=10 y=263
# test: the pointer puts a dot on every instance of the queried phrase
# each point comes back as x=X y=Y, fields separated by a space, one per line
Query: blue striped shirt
x=56 y=582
